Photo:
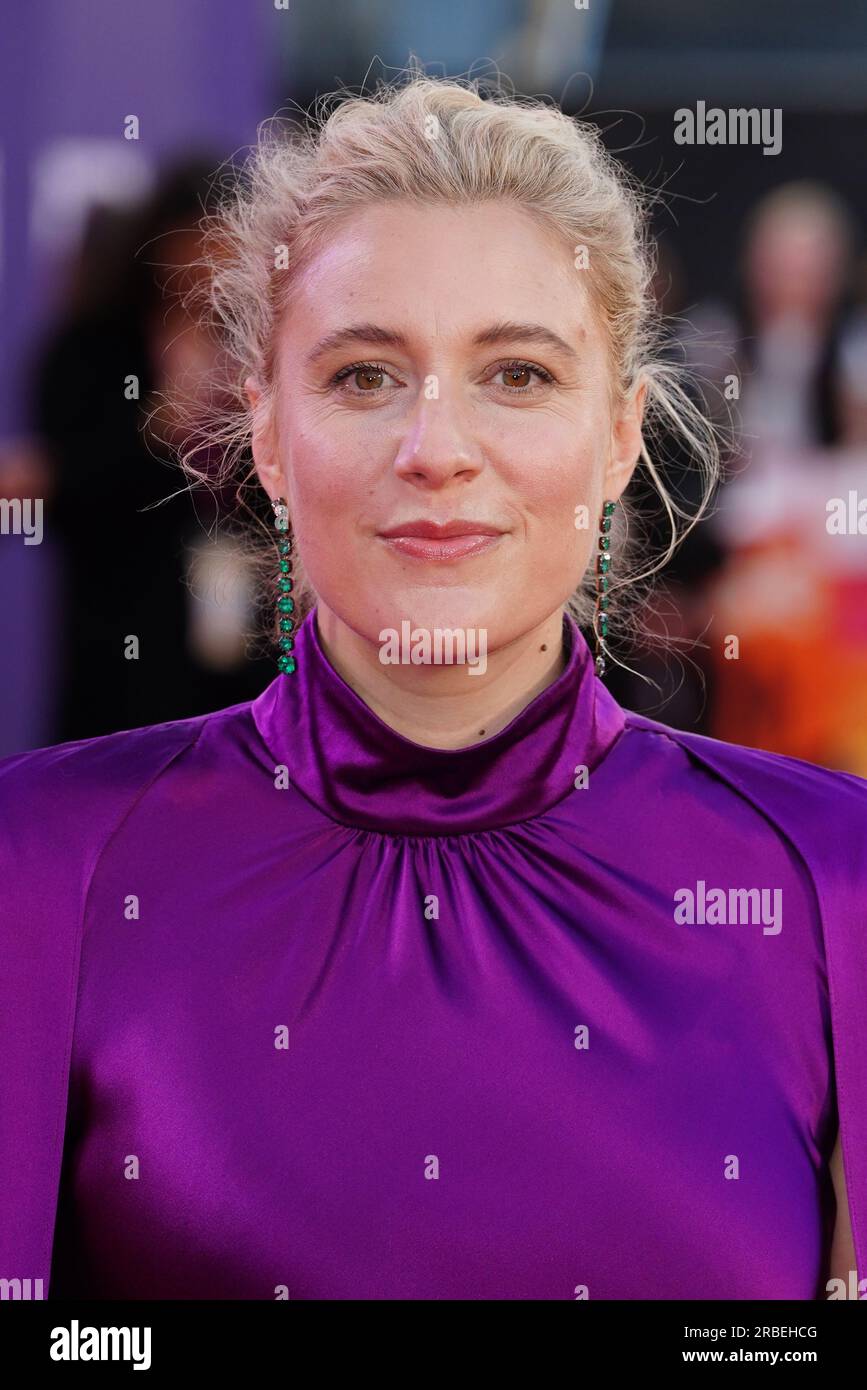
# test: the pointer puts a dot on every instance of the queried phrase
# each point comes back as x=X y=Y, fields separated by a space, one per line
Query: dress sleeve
x=58 y=809
x=823 y=815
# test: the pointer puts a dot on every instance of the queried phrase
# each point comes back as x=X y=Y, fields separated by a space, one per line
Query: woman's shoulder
x=812 y=804
x=91 y=765
x=78 y=789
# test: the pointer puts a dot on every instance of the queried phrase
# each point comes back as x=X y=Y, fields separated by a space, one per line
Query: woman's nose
x=438 y=443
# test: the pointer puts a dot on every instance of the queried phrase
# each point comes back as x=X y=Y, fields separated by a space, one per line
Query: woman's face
x=443 y=365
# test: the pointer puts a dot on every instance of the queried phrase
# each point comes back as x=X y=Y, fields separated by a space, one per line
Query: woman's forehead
x=440 y=271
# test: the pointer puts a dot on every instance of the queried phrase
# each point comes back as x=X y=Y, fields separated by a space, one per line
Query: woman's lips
x=449 y=548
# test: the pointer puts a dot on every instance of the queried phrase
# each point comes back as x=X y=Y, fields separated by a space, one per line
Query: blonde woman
x=432 y=972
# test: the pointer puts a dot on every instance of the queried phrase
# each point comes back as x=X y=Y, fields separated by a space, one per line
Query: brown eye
x=523 y=378
x=368 y=378
x=362 y=379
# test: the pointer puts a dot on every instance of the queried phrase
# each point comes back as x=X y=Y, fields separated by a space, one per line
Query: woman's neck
x=443 y=705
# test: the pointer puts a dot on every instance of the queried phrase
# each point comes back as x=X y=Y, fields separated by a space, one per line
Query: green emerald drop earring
x=603 y=583
x=286 y=662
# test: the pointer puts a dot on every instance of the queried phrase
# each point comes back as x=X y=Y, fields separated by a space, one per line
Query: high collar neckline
x=361 y=772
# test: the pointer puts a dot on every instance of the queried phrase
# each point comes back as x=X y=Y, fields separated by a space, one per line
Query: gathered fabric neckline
x=361 y=772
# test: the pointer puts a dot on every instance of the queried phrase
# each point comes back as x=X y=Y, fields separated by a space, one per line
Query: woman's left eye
x=362 y=378
x=518 y=374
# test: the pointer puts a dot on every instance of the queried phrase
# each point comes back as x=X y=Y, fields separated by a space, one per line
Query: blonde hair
x=452 y=141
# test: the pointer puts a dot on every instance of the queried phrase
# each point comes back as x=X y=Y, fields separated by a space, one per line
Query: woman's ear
x=263 y=439
x=626 y=442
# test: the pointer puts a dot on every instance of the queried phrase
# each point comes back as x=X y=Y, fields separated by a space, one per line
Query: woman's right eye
x=368 y=378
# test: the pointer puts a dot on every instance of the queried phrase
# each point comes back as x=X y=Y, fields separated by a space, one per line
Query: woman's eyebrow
x=356 y=333
x=514 y=332
x=505 y=330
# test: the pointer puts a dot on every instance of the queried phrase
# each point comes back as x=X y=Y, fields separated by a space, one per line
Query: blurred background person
x=798 y=245
x=128 y=528
x=790 y=666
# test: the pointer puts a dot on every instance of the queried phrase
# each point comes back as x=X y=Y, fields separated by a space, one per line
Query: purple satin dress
x=352 y=1018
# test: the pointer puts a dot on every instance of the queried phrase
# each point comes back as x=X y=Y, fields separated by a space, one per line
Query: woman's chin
x=426 y=616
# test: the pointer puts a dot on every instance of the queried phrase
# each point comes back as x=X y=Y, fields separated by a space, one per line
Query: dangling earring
x=603 y=581
x=285 y=603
